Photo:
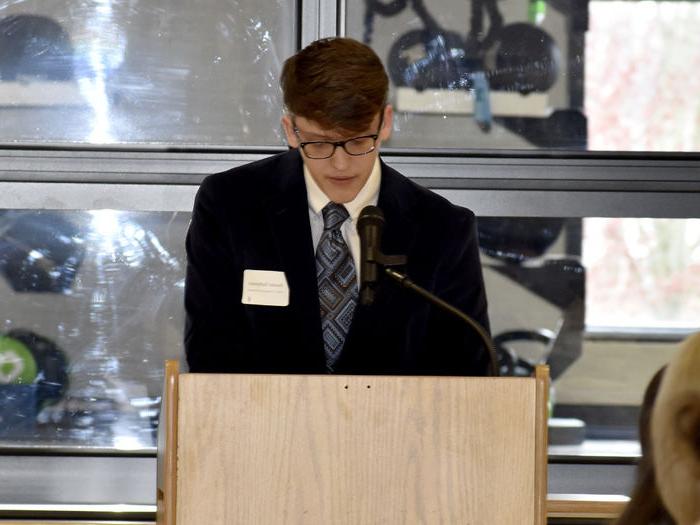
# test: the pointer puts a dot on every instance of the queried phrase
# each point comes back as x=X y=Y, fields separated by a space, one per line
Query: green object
x=551 y=400
x=536 y=11
x=17 y=364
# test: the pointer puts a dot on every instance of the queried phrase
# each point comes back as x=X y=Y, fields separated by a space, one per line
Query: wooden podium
x=325 y=449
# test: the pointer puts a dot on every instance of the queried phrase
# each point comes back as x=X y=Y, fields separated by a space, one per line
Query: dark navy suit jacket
x=256 y=217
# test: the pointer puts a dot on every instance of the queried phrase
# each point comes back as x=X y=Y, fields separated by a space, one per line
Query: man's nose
x=340 y=159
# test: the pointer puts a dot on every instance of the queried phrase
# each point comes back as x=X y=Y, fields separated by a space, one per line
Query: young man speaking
x=273 y=251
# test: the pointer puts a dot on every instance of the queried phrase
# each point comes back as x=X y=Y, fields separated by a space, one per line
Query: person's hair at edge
x=645 y=506
x=675 y=434
x=338 y=83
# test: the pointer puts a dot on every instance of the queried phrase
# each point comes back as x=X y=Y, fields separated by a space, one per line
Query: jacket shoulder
x=423 y=203
x=249 y=180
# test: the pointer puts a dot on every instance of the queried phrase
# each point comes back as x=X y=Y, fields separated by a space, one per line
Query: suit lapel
x=396 y=200
x=289 y=218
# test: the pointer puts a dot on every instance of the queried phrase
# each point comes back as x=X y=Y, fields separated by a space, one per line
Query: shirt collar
x=369 y=194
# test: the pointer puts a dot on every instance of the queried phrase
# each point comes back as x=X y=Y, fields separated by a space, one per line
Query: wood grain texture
x=541 y=441
x=166 y=478
x=356 y=450
x=582 y=506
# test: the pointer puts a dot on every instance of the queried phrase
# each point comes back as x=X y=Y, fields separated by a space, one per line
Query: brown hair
x=645 y=505
x=675 y=433
x=339 y=83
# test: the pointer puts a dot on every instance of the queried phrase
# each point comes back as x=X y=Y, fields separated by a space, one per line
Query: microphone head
x=370 y=215
x=370 y=224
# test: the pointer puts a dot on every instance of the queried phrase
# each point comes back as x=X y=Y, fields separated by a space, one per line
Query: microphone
x=369 y=227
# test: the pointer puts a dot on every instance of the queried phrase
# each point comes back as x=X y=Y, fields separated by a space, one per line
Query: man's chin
x=341 y=198
x=341 y=195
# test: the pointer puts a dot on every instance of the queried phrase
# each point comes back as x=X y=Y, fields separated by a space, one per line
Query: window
x=642 y=96
x=529 y=75
x=143 y=74
x=643 y=274
x=601 y=300
x=92 y=306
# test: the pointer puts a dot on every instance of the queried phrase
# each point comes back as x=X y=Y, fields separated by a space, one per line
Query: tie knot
x=334 y=215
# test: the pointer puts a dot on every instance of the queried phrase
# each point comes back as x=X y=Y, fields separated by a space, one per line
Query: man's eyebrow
x=311 y=136
x=316 y=136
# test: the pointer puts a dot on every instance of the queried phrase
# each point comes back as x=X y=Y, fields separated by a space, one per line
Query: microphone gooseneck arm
x=405 y=282
x=369 y=227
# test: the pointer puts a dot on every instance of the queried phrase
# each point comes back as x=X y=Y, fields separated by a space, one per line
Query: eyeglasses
x=356 y=146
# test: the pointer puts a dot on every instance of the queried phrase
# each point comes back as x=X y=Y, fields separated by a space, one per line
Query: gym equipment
x=39 y=251
x=34 y=46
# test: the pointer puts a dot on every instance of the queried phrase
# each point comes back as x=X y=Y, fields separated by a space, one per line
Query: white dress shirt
x=368 y=195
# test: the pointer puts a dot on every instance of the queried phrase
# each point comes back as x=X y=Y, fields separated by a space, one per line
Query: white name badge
x=265 y=288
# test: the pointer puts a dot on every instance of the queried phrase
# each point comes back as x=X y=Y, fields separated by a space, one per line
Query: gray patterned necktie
x=337 y=284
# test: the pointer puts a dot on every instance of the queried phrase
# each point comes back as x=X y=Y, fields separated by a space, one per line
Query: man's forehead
x=314 y=129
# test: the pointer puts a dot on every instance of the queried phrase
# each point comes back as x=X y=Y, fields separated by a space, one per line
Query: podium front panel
x=275 y=449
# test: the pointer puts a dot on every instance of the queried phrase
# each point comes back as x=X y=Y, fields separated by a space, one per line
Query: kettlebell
x=527 y=59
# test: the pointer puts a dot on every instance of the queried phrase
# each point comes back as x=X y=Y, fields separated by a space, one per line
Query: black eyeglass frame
x=340 y=143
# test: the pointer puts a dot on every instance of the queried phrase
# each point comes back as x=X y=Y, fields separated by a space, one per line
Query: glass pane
x=143 y=72
x=644 y=274
x=92 y=305
x=524 y=75
x=644 y=95
x=551 y=282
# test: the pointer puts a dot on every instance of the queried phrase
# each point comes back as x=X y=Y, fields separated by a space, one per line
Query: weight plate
x=17 y=364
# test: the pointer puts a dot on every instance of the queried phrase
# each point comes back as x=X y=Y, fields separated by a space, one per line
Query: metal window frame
x=491 y=186
x=321 y=19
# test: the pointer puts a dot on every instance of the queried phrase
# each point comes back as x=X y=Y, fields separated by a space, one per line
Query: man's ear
x=288 y=127
x=388 y=123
